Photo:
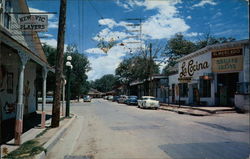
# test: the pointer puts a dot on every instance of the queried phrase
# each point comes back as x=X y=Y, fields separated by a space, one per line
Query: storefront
x=213 y=75
x=22 y=61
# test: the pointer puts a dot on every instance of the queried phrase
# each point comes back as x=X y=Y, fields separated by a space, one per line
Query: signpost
x=38 y=23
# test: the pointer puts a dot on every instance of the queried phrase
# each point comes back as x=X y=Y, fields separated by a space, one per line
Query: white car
x=148 y=102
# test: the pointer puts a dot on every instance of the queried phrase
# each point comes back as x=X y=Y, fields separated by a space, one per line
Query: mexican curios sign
x=38 y=23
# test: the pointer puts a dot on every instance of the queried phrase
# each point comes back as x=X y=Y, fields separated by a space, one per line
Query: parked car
x=105 y=97
x=115 y=98
x=110 y=97
x=86 y=98
x=122 y=98
x=49 y=99
x=131 y=100
x=148 y=102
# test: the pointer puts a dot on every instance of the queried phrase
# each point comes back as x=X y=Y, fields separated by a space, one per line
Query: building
x=95 y=93
x=216 y=75
x=155 y=86
x=22 y=60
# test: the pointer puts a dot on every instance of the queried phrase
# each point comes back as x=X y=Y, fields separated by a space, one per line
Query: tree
x=50 y=53
x=208 y=39
x=105 y=83
x=81 y=66
x=177 y=47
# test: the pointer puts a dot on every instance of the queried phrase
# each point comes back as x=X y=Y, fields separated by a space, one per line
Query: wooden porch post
x=19 y=110
x=45 y=72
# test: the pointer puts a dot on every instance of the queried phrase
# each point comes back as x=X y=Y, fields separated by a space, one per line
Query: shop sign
x=38 y=23
x=190 y=67
x=227 y=60
x=184 y=79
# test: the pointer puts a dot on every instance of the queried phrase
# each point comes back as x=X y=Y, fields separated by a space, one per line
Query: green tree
x=105 y=83
x=50 y=53
x=177 y=47
x=208 y=39
x=81 y=66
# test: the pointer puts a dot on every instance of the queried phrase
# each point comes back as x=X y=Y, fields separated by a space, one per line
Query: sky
x=88 y=21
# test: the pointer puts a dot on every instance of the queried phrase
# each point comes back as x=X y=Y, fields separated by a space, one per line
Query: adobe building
x=217 y=75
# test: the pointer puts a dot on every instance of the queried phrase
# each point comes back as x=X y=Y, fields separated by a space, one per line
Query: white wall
x=11 y=64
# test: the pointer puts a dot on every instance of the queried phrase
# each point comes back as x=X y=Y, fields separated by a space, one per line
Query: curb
x=183 y=112
x=52 y=141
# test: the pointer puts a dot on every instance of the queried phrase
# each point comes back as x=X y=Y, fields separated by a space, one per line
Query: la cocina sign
x=188 y=68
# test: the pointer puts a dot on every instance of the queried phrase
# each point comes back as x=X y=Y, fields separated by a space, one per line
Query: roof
x=26 y=42
x=152 y=78
x=208 y=48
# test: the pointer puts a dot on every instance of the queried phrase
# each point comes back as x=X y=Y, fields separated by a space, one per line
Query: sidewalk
x=44 y=138
x=197 y=110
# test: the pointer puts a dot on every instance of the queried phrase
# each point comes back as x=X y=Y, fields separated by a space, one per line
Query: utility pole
x=59 y=65
x=150 y=68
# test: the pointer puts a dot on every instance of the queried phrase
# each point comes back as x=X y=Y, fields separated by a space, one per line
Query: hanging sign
x=227 y=60
x=38 y=23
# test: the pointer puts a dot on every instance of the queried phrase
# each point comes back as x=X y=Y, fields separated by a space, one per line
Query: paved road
x=107 y=130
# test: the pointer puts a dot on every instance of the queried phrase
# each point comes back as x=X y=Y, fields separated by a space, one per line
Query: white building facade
x=216 y=75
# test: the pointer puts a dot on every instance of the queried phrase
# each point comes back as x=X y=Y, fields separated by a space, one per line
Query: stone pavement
x=197 y=110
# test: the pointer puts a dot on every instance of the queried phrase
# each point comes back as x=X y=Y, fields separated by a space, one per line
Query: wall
x=8 y=99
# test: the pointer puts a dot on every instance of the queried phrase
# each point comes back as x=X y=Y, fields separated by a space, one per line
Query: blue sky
x=90 y=20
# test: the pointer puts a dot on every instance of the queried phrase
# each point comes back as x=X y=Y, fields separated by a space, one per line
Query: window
x=205 y=87
x=183 y=89
x=7 y=17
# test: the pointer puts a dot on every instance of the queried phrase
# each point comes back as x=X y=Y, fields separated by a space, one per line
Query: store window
x=7 y=17
x=205 y=87
x=183 y=89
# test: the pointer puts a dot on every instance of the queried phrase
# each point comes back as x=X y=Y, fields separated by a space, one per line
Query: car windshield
x=148 y=98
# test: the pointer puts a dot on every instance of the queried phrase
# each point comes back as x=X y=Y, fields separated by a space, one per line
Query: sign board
x=38 y=23
x=229 y=60
x=194 y=68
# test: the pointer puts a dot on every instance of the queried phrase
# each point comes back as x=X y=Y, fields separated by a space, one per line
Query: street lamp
x=69 y=67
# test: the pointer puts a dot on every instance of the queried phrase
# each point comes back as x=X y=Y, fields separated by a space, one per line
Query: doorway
x=173 y=93
x=227 y=85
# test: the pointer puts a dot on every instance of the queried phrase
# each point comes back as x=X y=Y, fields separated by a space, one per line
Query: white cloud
x=53 y=24
x=105 y=64
x=94 y=51
x=165 y=23
x=52 y=42
x=204 y=2
x=109 y=22
x=50 y=16
x=218 y=14
x=47 y=35
x=192 y=34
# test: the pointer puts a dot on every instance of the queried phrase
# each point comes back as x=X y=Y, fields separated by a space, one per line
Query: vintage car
x=131 y=100
x=122 y=98
x=148 y=102
x=86 y=98
x=115 y=98
x=110 y=98
x=49 y=99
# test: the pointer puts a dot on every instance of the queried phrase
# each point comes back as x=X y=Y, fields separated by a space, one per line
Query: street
x=108 y=130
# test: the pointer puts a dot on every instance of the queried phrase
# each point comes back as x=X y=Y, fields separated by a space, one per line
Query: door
x=223 y=95
x=173 y=93
x=196 y=95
